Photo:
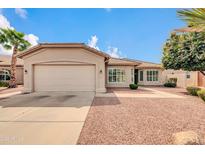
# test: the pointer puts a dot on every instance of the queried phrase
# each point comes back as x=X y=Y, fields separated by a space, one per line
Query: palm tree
x=195 y=19
x=11 y=39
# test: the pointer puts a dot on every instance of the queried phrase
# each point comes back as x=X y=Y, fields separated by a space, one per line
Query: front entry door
x=136 y=76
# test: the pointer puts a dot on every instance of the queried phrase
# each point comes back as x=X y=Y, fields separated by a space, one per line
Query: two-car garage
x=64 y=67
x=64 y=78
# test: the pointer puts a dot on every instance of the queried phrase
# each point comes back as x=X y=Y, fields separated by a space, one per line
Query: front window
x=4 y=75
x=116 y=75
x=152 y=75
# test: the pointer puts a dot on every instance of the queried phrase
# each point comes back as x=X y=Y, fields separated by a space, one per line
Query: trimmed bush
x=133 y=86
x=201 y=94
x=4 y=84
x=170 y=84
x=193 y=90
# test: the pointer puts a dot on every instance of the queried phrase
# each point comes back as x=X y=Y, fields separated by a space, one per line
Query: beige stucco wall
x=128 y=79
x=145 y=82
x=182 y=80
x=65 y=56
x=19 y=74
x=163 y=77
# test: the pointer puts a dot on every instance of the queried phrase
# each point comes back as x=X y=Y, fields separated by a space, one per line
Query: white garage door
x=64 y=78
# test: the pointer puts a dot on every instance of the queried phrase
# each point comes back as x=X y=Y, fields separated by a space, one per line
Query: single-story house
x=5 y=63
x=78 y=67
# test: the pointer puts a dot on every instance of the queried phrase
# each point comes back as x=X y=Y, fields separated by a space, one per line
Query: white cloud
x=4 y=23
x=21 y=12
x=93 y=42
x=114 y=52
x=108 y=9
x=31 y=38
x=4 y=51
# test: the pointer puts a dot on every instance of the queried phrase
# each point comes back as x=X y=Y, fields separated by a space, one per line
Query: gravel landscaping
x=142 y=120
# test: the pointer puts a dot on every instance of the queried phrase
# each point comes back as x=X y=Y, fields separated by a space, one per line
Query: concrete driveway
x=43 y=118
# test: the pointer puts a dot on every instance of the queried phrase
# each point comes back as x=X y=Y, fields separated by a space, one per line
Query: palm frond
x=10 y=38
x=193 y=17
x=23 y=45
x=7 y=46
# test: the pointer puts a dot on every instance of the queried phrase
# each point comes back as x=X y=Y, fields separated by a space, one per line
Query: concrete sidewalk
x=7 y=92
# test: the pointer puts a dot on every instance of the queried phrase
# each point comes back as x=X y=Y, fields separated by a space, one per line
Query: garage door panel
x=64 y=78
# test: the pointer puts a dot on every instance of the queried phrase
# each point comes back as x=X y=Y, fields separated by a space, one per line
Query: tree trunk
x=202 y=72
x=12 y=83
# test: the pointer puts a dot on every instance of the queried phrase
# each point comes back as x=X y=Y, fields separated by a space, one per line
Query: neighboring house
x=78 y=67
x=5 y=63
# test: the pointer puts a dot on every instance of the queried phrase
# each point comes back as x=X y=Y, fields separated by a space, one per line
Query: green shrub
x=201 y=94
x=170 y=84
x=133 y=86
x=193 y=90
x=4 y=84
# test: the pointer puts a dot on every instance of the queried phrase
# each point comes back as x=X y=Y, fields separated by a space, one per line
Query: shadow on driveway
x=53 y=100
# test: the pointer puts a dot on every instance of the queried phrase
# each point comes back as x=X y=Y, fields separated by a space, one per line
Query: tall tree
x=11 y=39
x=185 y=51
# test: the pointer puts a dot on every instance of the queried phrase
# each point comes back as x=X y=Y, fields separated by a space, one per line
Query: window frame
x=152 y=75
x=119 y=75
x=5 y=73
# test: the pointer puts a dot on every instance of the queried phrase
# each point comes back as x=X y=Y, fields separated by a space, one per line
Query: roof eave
x=62 y=45
x=122 y=64
x=150 y=67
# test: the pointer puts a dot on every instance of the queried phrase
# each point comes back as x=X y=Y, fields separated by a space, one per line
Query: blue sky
x=132 y=33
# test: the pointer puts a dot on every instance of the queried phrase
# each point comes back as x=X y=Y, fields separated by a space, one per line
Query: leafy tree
x=185 y=51
x=11 y=39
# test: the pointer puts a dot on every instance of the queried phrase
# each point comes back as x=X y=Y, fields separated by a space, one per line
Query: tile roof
x=131 y=62
x=149 y=65
x=112 y=61
x=122 y=61
x=63 y=45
